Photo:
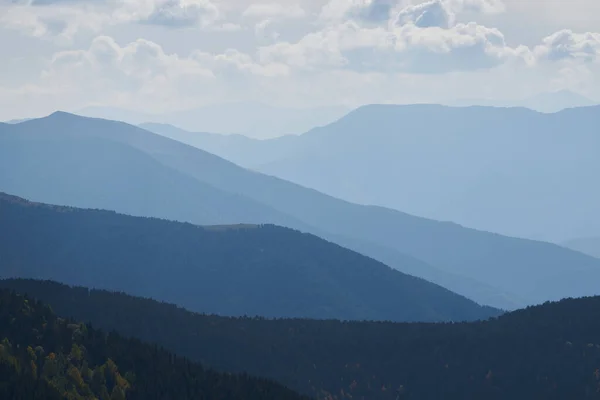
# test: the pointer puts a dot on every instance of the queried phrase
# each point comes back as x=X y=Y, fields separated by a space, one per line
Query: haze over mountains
x=507 y=170
x=256 y=120
x=69 y=160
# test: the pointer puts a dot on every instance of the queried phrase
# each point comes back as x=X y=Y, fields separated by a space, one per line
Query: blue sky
x=162 y=55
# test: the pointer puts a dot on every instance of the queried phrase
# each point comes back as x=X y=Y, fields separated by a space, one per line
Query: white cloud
x=61 y=20
x=426 y=15
x=274 y=10
x=421 y=38
x=182 y=13
x=107 y=70
x=59 y=23
x=359 y=51
x=380 y=11
x=375 y=11
x=266 y=31
x=567 y=45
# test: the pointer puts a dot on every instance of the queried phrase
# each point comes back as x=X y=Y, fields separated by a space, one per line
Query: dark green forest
x=236 y=270
x=546 y=352
x=43 y=356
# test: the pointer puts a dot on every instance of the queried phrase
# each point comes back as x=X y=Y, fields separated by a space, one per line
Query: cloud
x=426 y=15
x=421 y=38
x=429 y=13
x=274 y=10
x=138 y=67
x=265 y=30
x=61 y=20
x=182 y=13
x=567 y=45
x=57 y=23
x=372 y=11
x=477 y=6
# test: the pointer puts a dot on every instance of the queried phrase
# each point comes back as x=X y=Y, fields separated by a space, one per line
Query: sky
x=163 y=55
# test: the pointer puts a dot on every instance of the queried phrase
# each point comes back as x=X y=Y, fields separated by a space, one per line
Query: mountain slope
x=45 y=357
x=545 y=352
x=589 y=246
x=511 y=171
x=87 y=171
x=64 y=159
x=528 y=272
x=229 y=270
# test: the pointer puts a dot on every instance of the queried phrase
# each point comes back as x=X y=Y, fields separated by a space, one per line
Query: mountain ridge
x=544 y=270
x=238 y=270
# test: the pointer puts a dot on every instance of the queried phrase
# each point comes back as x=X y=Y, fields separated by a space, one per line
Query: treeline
x=45 y=357
x=547 y=352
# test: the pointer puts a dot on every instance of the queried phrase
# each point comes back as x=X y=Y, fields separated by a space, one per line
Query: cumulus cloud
x=422 y=38
x=61 y=20
x=568 y=45
x=58 y=23
x=108 y=70
x=182 y=13
x=107 y=67
x=429 y=13
x=373 y=11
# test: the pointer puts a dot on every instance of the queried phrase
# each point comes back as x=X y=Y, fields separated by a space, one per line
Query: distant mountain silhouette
x=548 y=352
x=239 y=149
x=589 y=246
x=17 y=121
x=248 y=118
x=549 y=102
x=228 y=270
x=65 y=159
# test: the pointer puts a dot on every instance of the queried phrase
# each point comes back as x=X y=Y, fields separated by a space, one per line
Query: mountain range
x=227 y=270
x=549 y=102
x=91 y=163
x=252 y=119
x=507 y=170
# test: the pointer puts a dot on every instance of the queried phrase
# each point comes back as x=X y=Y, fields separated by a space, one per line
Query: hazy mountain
x=544 y=352
x=228 y=270
x=589 y=246
x=45 y=357
x=255 y=120
x=17 y=121
x=239 y=149
x=512 y=171
x=82 y=170
x=523 y=271
x=549 y=102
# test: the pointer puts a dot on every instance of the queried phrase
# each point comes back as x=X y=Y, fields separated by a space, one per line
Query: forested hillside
x=44 y=357
x=548 y=352
x=227 y=270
